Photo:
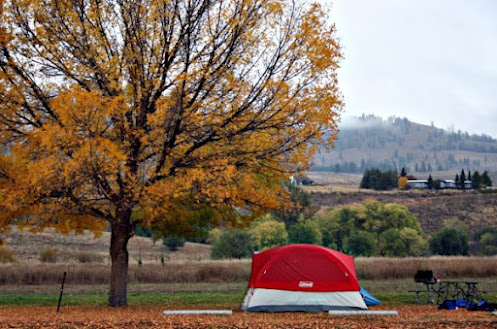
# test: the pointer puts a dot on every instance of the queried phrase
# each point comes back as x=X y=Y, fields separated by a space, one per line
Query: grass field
x=84 y=306
x=392 y=291
x=145 y=311
x=180 y=300
x=188 y=280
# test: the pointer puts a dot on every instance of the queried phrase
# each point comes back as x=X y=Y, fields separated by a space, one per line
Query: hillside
x=433 y=209
x=370 y=141
x=27 y=247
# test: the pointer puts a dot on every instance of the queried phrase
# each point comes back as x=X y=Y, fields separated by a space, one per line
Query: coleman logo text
x=306 y=284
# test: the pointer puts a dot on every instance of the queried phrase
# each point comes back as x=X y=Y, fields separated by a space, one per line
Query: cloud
x=424 y=60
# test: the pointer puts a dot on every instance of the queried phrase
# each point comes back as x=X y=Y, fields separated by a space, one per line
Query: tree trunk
x=121 y=233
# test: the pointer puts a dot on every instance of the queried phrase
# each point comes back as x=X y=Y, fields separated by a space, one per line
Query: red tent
x=326 y=279
x=303 y=267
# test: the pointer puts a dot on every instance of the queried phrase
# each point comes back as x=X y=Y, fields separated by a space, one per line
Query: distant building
x=417 y=183
x=444 y=184
x=448 y=183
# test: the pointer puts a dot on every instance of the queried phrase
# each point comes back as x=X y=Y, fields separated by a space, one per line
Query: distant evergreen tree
x=476 y=180
x=388 y=180
x=469 y=174
x=430 y=169
x=370 y=178
x=485 y=179
x=457 y=180
x=430 y=182
x=375 y=179
x=462 y=180
x=436 y=184
x=403 y=172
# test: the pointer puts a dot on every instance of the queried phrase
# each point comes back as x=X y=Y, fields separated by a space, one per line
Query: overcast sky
x=427 y=60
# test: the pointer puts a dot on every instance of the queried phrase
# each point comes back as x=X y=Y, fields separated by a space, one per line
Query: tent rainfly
x=302 y=278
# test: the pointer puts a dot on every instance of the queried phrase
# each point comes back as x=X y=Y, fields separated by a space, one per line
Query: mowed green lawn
x=190 y=300
x=214 y=296
x=143 y=299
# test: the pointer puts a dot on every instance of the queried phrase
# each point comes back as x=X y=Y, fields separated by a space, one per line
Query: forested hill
x=370 y=141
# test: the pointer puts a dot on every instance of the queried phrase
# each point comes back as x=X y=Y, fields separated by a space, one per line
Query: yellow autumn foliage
x=150 y=112
x=402 y=183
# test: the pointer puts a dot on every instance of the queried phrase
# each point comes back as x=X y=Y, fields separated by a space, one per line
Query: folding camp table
x=453 y=290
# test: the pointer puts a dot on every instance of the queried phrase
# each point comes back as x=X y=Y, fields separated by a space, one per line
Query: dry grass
x=325 y=178
x=6 y=255
x=133 y=288
x=87 y=257
x=49 y=255
x=449 y=267
x=26 y=248
x=87 y=263
x=193 y=272
x=239 y=271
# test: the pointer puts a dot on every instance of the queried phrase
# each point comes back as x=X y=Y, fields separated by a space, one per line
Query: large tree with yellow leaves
x=117 y=113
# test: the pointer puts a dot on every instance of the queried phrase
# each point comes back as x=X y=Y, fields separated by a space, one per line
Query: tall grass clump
x=87 y=257
x=49 y=255
x=6 y=255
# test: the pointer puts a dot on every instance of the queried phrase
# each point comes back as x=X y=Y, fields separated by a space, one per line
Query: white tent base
x=379 y=312
x=275 y=300
x=216 y=312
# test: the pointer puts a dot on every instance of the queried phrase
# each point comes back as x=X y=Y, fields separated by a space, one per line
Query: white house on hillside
x=417 y=183
x=444 y=184
x=448 y=183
